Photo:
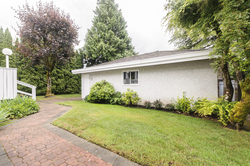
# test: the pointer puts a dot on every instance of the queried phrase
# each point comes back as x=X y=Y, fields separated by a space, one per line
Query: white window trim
x=130 y=77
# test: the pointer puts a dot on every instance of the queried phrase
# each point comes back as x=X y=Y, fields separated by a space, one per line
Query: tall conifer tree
x=108 y=38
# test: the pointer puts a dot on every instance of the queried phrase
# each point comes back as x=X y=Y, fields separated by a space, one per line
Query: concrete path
x=34 y=141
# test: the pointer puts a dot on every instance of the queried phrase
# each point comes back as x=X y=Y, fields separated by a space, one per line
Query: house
x=161 y=75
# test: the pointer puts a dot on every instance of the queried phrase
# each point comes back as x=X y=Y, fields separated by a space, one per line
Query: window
x=130 y=77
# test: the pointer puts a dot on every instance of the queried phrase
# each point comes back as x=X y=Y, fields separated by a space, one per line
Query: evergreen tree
x=107 y=39
x=5 y=42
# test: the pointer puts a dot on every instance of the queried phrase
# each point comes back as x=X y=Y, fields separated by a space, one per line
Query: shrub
x=241 y=109
x=116 y=99
x=169 y=107
x=158 y=104
x=184 y=104
x=147 y=104
x=220 y=108
x=4 y=113
x=130 y=97
x=86 y=98
x=19 y=107
x=101 y=92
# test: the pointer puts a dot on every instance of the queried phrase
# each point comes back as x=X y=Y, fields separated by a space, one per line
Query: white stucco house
x=161 y=75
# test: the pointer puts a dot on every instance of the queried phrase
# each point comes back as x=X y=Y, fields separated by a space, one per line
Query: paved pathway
x=34 y=141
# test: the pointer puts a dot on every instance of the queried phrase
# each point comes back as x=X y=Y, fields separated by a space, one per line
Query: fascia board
x=177 y=58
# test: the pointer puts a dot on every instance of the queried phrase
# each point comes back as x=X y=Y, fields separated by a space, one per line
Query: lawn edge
x=92 y=148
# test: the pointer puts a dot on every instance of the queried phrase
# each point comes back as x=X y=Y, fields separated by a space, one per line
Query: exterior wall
x=166 y=82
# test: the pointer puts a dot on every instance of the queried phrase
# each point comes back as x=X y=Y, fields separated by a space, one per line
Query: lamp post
x=7 y=52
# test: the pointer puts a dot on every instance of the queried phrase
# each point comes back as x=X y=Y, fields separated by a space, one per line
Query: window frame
x=130 y=76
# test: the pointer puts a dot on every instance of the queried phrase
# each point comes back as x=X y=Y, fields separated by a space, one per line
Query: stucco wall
x=166 y=82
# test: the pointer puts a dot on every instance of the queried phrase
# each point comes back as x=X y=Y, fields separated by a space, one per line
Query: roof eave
x=177 y=58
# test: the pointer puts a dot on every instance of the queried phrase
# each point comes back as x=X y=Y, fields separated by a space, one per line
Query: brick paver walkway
x=27 y=142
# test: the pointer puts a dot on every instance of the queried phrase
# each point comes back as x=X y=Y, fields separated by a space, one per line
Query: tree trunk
x=229 y=87
x=48 y=92
x=240 y=76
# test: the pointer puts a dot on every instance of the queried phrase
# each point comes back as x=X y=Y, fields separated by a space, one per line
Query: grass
x=58 y=96
x=151 y=137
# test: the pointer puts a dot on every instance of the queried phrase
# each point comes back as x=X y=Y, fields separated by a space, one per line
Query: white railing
x=8 y=84
x=33 y=94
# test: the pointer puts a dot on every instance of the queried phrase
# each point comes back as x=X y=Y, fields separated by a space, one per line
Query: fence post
x=34 y=93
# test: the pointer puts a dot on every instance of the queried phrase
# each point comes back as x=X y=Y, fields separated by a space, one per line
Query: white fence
x=33 y=94
x=8 y=84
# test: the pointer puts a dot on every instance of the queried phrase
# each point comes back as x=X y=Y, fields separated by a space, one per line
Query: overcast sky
x=143 y=17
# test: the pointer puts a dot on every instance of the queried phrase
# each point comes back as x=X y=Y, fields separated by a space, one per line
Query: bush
x=19 y=107
x=185 y=104
x=220 y=108
x=158 y=104
x=86 y=98
x=169 y=107
x=101 y=92
x=242 y=109
x=147 y=104
x=130 y=97
x=4 y=113
x=116 y=99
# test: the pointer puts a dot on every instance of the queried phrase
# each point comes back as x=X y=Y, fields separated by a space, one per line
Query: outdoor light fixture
x=7 y=52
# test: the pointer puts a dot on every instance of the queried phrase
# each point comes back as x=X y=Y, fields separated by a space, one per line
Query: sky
x=143 y=17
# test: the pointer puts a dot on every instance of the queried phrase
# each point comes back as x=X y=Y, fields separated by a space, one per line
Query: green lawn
x=151 y=137
x=58 y=96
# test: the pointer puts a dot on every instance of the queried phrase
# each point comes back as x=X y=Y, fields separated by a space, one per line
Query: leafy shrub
x=147 y=104
x=220 y=108
x=116 y=99
x=19 y=107
x=158 y=104
x=86 y=98
x=242 y=109
x=4 y=113
x=101 y=92
x=185 y=104
x=130 y=97
x=169 y=107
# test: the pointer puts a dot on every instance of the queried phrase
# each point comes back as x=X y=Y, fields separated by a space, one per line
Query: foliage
x=5 y=42
x=147 y=104
x=19 y=107
x=221 y=24
x=47 y=36
x=86 y=98
x=242 y=109
x=101 y=92
x=116 y=99
x=184 y=104
x=130 y=97
x=4 y=113
x=169 y=107
x=220 y=109
x=107 y=39
x=64 y=82
x=158 y=104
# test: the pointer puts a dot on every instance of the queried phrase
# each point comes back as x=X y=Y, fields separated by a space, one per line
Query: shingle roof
x=147 y=55
x=148 y=59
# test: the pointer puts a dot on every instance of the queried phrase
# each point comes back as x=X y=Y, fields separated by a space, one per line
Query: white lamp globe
x=7 y=51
